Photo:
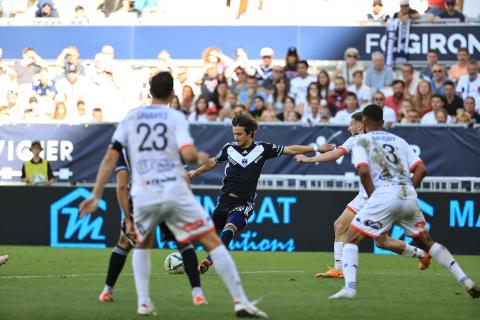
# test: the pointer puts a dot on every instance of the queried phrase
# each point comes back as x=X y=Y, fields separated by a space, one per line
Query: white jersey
x=153 y=136
x=389 y=158
x=346 y=148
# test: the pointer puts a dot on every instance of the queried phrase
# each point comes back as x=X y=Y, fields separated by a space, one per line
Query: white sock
x=441 y=254
x=337 y=253
x=108 y=289
x=414 y=252
x=197 y=291
x=350 y=263
x=141 y=270
x=227 y=270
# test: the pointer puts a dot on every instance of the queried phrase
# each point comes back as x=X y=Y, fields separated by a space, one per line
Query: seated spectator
x=363 y=92
x=265 y=69
x=469 y=106
x=70 y=57
x=81 y=112
x=464 y=118
x=423 y=97
x=336 y=100
x=312 y=91
x=212 y=114
x=165 y=62
x=268 y=115
x=182 y=80
x=29 y=66
x=80 y=16
x=377 y=13
x=324 y=84
x=97 y=115
x=60 y=113
x=289 y=113
x=43 y=86
x=214 y=56
x=350 y=65
x=389 y=114
x=406 y=12
x=146 y=6
x=241 y=83
x=439 y=79
x=220 y=95
x=73 y=88
x=46 y=9
x=188 y=98
x=247 y=96
x=378 y=75
x=280 y=93
x=298 y=85
x=451 y=12
x=198 y=115
x=232 y=101
x=175 y=103
x=437 y=105
x=210 y=81
x=345 y=116
x=452 y=101
x=410 y=79
x=291 y=60
x=412 y=117
x=469 y=84
x=460 y=68
x=432 y=59
x=313 y=116
x=441 y=116
x=396 y=99
x=406 y=106
x=259 y=107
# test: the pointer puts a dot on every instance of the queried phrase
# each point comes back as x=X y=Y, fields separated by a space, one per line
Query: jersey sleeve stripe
x=281 y=151
x=344 y=150
x=415 y=165
x=120 y=168
x=185 y=145
x=361 y=164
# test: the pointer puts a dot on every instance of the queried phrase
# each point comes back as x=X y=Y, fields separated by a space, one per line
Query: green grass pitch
x=45 y=283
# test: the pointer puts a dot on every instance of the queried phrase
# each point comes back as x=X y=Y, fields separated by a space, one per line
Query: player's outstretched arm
x=366 y=179
x=324 y=157
x=419 y=173
x=298 y=149
x=104 y=172
x=207 y=166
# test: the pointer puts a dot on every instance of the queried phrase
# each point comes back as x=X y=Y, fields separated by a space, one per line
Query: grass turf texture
x=46 y=283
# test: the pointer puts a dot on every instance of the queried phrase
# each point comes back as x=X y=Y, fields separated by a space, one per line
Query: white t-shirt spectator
x=389 y=115
x=429 y=118
x=469 y=88
x=364 y=93
x=308 y=118
x=298 y=88
x=192 y=117
x=343 y=116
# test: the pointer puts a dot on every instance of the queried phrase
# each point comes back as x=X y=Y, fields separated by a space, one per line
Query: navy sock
x=190 y=264
x=115 y=266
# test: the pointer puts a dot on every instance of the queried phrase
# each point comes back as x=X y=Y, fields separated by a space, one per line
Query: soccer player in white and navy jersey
x=384 y=162
x=245 y=160
x=343 y=222
x=156 y=138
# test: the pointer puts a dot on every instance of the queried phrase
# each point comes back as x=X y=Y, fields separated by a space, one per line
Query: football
x=174 y=263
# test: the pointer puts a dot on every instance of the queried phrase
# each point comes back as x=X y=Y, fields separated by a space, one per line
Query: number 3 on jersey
x=390 y=155
x=158 y=143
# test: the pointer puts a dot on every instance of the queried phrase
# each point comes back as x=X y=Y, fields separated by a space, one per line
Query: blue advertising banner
x=284 y=220
x=75 y=151
x=144 y=42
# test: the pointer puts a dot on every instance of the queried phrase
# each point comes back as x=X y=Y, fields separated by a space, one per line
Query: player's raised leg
x=440 y=254
x=404 y=249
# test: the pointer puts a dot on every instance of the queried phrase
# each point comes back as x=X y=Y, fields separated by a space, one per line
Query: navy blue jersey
x=245 y=166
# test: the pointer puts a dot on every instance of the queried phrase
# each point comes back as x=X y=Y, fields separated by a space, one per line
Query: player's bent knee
x=123 y=243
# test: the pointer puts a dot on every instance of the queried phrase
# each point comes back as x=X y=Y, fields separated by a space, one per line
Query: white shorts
x=383 y=210
x=183 y=215
x=357 y=203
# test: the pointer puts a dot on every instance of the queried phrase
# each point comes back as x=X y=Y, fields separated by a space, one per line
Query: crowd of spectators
x=104 y=90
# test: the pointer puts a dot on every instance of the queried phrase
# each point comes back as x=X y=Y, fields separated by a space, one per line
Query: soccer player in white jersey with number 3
x=156 y=136
x=384 y=162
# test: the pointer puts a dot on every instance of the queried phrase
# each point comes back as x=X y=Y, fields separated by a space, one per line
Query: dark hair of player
x=373 y=113
x=357 y=116
x=161 y=85
x=247 y=121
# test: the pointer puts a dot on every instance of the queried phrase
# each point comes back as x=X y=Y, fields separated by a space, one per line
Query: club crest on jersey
x=244 y=162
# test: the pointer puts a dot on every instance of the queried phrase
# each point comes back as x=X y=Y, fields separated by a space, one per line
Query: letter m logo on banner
x=67 y=230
